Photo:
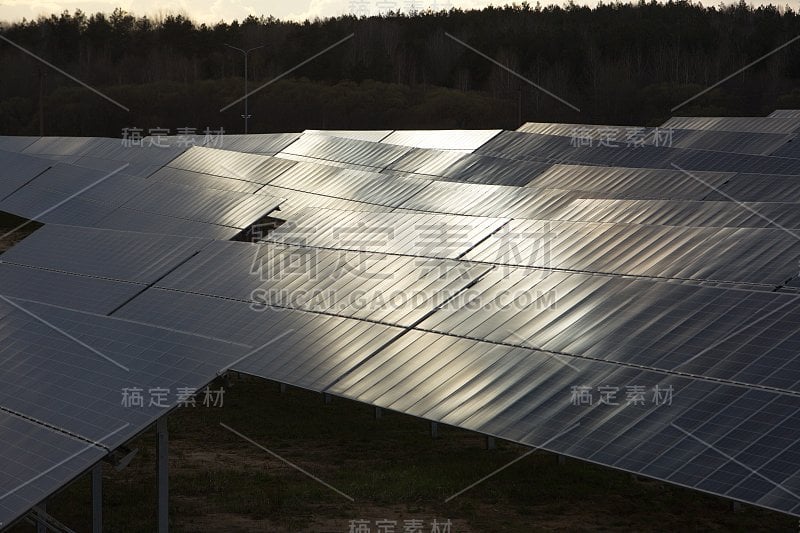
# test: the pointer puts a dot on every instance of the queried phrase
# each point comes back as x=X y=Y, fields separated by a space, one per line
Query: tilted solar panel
x=745 y=255
x=224 y=208
x=120 y=255
x=228 y=164
x=468 y=140
x=714 y=437
x=427 y=235
x=378 y=155
x=37 y=461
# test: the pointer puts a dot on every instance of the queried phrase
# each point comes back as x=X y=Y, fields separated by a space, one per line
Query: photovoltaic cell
x=77 y=292
x=527 y=396
x=303 y=349
x=621 y=182
x=132 y=220
x=426 y=235
x=364 y=135
x=468 y=140
x=744 y=255
x=740 y=124
x=37 y=461
x=120 y=255
x=252 y=168
x=682 y=213
x=363 y=153
x=224 y=208
x=397 y=290
x=355 y=185
x=703 y=331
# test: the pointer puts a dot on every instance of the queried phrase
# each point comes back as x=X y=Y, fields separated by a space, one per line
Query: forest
x=624 y=64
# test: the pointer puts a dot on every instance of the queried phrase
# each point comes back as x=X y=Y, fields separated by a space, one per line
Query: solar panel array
x=475 y=278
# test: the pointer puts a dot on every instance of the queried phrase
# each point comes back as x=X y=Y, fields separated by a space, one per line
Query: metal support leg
x=162 y=466
x=378 y=413
x=97 y=498
x=434 y=430
x=736 y=507
x=490 y=443
x=562 y=459
x=328 y=398
x=41 y=525
x=283 y=388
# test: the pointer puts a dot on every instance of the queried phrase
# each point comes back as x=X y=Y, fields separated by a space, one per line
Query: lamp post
x=245 y=54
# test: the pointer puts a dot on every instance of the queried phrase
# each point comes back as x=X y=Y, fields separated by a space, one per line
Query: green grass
x=392 y=469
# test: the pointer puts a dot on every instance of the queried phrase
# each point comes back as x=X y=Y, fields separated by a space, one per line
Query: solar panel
x=363 y=135
x=429 y=235
x=740 y=142
x=427 y=162
x=326 y=162
x=622 y=182
x=489 y=200
x=111 y=188
x=683 y=213
x=474 y=289
x=703 y=331
x=303 y=349
x=14 y=143
x=245 y=167
x=744 y=255
x=261 y=143
x=296 y=202
x=58 y=381
x=397 y=290
x=556 y=149
x=63 y=146
x=785 y=113
x=54 y=207
x=356 y=185
x=129 y=256
x=205 y=181
x=468 y=140
x=37 y=461
x=710 y=436
x=741 y=124
x=17 y=170
x=377 y=155
x=494 y=170
x=224 y=208
x=77 y=292
x=131 y=220
x=789 y=149
x=758 y=188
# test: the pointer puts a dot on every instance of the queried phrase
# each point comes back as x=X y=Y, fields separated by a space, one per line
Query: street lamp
x=245 y=53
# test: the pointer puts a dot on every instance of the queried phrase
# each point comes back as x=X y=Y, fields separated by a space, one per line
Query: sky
x=216 y=10
x=228 y=10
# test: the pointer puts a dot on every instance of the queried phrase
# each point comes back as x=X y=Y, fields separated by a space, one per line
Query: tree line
x=618 y=63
